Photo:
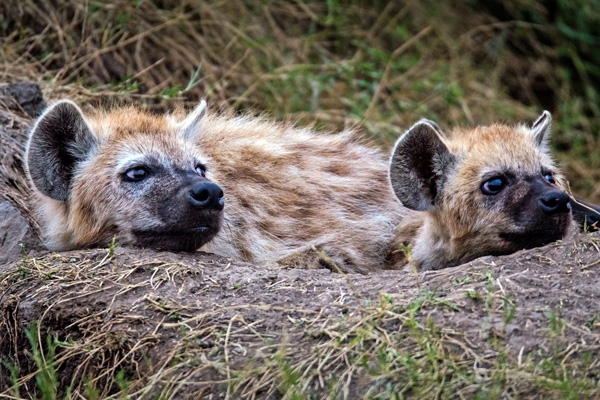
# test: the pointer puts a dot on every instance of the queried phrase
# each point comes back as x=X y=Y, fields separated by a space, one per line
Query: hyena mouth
x=535 y=238
x=188 y=240
x=539 y=233
x=527 y=240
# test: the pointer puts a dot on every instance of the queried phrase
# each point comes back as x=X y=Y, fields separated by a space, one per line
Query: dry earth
x=151 y=324
x=186 y=324
x=19 y=102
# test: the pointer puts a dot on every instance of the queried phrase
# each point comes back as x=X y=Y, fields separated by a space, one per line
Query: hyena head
x=485 y=191
x=124 y=174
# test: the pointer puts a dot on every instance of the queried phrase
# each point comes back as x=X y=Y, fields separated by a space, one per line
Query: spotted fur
x=287 y=191
x=446 y=181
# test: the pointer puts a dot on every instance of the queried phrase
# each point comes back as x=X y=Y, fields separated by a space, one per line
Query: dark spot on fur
x=338 y=168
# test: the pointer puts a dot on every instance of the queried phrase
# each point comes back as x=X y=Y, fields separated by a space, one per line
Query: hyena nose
x=207 y=195
x=555 y=202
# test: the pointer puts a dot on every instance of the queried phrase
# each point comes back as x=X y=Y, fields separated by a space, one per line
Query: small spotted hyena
x=485 y=191
x=241 y=187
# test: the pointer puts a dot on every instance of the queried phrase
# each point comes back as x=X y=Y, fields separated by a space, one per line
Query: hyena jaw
x=155 y=181
x=95 y=180
x=485 y=191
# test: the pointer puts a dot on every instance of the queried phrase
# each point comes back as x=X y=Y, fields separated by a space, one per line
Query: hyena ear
x=418 y=165
x=540 y=130
x=190 y=126
x=59 y=140
x=434 y=126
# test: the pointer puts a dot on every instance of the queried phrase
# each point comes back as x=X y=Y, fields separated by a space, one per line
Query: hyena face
x=489 y=190
x=131 y=176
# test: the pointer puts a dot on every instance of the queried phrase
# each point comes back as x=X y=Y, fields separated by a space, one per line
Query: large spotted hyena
x=241 y=187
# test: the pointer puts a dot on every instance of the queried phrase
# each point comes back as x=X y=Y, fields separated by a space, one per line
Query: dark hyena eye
x=136 y=174
x=493 y=185
x=201 y=170
x=549 y=177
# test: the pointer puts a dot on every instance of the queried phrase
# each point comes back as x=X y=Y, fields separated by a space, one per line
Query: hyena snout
x=206 y=195
x=554 y=202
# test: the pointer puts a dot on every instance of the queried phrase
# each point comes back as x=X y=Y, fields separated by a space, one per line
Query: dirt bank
x=183 y=325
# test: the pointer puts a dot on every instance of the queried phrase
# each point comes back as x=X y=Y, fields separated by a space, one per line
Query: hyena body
x=240 y=187
x=485 y=191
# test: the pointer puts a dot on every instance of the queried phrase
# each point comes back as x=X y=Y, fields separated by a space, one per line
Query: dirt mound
x=19 y=102
x=142 y=323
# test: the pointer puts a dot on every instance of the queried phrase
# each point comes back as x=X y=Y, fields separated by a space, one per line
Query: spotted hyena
x=490 y=190
x=242 y=187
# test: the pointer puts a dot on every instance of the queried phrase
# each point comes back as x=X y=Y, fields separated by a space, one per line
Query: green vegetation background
x=380 y=64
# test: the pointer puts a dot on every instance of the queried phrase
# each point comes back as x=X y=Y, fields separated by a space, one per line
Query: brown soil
x=199 y=320
x=19 y=102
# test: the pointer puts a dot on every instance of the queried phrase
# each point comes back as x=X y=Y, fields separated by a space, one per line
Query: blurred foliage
x=556 y=66
x=380 y=64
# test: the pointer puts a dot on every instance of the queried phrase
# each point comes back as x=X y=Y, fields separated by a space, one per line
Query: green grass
x=413 y=360
x=383 y=65
x=46 y=377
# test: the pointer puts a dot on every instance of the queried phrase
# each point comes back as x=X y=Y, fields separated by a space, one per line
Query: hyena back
x=241 y=187
x=485 y=191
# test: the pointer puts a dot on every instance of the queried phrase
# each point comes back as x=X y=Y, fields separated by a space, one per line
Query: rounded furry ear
x=418 y=165
x=190 y=126
x=59 y=140
x=540 y=130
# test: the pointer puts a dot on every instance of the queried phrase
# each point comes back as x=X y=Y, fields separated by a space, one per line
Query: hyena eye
x=135 y=174
x=549 y=177
x=201 y=170
x=493 y=186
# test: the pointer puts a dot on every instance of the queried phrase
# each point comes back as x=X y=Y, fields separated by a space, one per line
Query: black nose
x=555 y=202
x=207 y=195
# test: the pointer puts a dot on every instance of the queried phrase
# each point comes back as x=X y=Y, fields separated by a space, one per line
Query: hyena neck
x=431 y=247
x=63 y=229
x=57 y=233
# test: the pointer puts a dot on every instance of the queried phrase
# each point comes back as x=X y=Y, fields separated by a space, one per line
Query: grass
x=45 y=376
x=382 y=65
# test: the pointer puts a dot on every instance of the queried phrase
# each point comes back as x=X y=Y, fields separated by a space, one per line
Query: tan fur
x=462 y=223
x=287 y=190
